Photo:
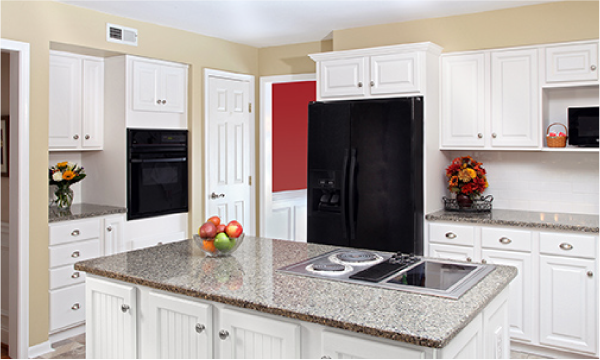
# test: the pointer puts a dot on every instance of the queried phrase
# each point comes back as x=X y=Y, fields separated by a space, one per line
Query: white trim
x=66 y=334
x=266 y=141
x=240 y=77
x=19 y=197
x=40 y=349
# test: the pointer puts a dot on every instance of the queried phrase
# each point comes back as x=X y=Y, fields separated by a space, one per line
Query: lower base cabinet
x=132 y=321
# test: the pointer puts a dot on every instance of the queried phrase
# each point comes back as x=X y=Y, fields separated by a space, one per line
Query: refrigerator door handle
x=344 y=194
x=351 y=194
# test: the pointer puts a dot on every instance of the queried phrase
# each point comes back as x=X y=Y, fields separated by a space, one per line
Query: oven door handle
x=181 y=159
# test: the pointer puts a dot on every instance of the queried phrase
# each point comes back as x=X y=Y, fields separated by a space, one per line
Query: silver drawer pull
x=125 y=308
x=109 y=228
x=75 y=307
x=451 y=235
x=200 y=328
x=75 y=254
x=505 y=240
x=483 y=261
x=566 y=246
x=223 y=334
x=590 y=274
x=469 y=259
x=75 y=232
x=593 y=67
x=158 y=102
x=75 y=275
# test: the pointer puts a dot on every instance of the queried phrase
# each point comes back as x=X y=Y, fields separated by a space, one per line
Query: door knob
x=223 y=334
x=216 y=196
x=125 y=308
x=200 y=328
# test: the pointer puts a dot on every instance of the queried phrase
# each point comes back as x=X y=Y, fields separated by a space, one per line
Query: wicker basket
x=556 y=141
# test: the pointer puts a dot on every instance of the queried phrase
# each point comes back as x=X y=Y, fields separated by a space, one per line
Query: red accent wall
x=290 y=133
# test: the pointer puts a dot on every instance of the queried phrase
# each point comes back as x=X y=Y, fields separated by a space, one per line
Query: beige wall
x=41 y=22
x=535 y=24
x=290 y=59
x=4 y=110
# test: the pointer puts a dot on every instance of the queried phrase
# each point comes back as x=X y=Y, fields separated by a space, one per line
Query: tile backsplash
x=565 y=182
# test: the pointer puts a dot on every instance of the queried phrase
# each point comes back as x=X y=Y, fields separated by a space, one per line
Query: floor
x=74 y=348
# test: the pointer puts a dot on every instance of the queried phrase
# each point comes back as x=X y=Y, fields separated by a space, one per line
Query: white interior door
x=230 y=151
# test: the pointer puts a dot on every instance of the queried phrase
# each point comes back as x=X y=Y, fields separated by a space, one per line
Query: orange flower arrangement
x=466 y=176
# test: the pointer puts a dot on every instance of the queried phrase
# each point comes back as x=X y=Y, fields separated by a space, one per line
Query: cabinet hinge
x=249 y=107
x=250 y=180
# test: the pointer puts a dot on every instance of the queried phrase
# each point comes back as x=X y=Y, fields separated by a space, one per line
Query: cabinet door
x=93 y=104
x=114 y=239
x=463 y=101
x=173 y=89
x=515 y=101
x=342 y=78
x=180 y=328
x=576 y=62
x=394 y=74
x=338 y=346
x=463 y=253
x=145 y=86
x=568 y=304
x=110 y=320
x=521 y=301
x=65 y=103
x=243 y=335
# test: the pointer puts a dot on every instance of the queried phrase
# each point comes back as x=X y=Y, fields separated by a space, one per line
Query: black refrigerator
x=365 y=174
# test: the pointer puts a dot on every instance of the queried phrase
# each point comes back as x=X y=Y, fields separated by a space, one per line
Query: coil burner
x=355 y=257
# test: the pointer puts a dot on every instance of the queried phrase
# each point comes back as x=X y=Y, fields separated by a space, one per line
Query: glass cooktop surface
x=433 y=275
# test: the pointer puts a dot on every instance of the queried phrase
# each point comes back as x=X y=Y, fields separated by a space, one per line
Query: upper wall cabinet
x=158 y=87
x=375 y=72
x=76 y=95
x=576 y=62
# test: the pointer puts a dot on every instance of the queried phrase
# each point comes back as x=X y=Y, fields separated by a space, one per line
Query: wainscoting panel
x=288 y=217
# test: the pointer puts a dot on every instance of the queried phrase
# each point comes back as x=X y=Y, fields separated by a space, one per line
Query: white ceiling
x=263 y=23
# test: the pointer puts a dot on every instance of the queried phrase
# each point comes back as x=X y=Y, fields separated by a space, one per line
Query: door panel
x=65 y=102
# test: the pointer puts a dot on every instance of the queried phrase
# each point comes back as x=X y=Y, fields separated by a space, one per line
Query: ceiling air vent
x=120 y=34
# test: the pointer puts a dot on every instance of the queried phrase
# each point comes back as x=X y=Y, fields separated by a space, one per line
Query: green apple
x=223 y=242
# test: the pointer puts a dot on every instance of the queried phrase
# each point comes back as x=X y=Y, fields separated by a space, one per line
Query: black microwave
x=583 y=125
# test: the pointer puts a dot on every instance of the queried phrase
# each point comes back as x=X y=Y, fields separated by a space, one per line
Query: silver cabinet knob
x=75 y=306
x=75 y=275
x=200 y=328
x=109 y=228
x=75 y=254
x=566 y=246
x=158 y=102
x=325 y=357
x=590 y=273
x=483 y=261
x=372 y=83
x=223 y=334
x=469 y=259
x=125 y=308
x=76 y=137
x=75 y=232
x=87 y=137
x=216 y=196
x=593 y=67
x=505 y=240
x=360 y=84
x=450 y=235
x=164 y=102
x=480 y=135
x=494 y=135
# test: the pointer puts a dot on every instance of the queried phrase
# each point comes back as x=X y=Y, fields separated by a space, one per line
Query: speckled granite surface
x=82 y=211
x=541 y=220
x=248 y=280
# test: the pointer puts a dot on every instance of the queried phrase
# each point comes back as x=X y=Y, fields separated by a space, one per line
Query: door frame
x=266 y=141
x=19 y=198
x=208 y=73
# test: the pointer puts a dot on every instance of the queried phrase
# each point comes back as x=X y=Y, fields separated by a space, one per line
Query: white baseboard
x=65 y=334
x=40 y=349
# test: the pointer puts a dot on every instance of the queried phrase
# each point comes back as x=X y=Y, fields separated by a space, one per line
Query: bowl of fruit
x=216 y=239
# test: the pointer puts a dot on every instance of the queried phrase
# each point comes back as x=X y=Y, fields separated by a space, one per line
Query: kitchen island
x=171 y=301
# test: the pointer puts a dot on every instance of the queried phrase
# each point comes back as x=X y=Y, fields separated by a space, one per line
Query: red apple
x=208 y=230
x=215 y=220
x=221 y=228
x=234 y=229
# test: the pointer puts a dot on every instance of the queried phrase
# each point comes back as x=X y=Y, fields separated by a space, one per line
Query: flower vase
x=464 y=201
x=64 y=197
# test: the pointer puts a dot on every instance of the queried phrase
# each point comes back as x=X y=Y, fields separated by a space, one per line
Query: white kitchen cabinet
x=114 y=234
x=243 y=335
x=454 y=252
x=76 y=102
x=568 y=292
x=342 y=346
x=572 y=62
x=463 y=101
x=375 y=72
x=111 y=328
x=158 y=87
x=179 y=328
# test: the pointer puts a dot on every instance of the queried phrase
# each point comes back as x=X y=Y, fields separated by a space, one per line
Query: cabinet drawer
x=568 y=245
x=67 y=306
x=74 y=231
x=65 y=276
x=452 y=234
x=505 y=239
x=71 y=253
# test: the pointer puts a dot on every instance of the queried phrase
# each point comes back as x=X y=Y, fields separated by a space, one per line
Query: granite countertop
x=82 y=211
x=248 y=279
x=541 y=220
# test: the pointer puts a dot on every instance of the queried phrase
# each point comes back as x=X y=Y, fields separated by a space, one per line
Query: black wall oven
x=157 y=172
